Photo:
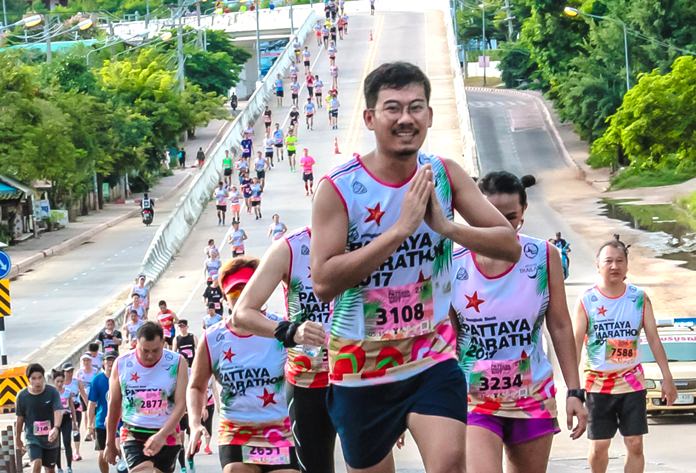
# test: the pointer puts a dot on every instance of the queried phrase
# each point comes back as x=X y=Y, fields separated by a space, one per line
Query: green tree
x=218 y=68
x=656 y=124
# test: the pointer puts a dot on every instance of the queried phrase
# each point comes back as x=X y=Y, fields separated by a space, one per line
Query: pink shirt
x=307 y=162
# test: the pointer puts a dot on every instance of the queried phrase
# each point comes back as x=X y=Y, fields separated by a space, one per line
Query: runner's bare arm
x=579 y=328
x=487 y=233
x=174 y=344
x=559 y=324
x=335 y=270
x=272 y=270
x=198 y=384
x=669 y=390
x=114 y=408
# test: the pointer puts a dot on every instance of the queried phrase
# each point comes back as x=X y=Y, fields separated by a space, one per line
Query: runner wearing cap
x=68 y=423
x=609 y=319
x=72 y=384
x=84 y=376
x=166 y=318
x=185 y=343
x=254 y=426
x=236 y=239
x=220 y=194
x=39 y=415
x=304 y=333
x=318 y=89
x=211 y=317
x=147 y=390
x=96 y=418
x=382 y=234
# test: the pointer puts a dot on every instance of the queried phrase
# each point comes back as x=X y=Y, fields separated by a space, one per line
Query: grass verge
x=478 y=82
x=631 y=178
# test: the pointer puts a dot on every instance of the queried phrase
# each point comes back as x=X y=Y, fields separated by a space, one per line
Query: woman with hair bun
x=499 y=310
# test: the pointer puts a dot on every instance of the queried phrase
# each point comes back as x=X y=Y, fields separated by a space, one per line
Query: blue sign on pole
x=5 y=264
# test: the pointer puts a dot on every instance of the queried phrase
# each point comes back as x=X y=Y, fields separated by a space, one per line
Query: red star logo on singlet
x=422 y=278
x=228 y=355
x=474 y=301
x=267 y=398
x=135 y=377
x=375 y=214
x=602 y=310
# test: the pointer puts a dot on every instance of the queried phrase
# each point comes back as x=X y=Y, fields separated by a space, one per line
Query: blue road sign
x=5 y=264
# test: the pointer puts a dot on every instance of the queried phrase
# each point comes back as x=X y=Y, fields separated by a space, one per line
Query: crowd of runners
x=397 y=318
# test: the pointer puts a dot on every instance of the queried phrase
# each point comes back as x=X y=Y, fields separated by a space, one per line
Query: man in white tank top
x=147 y=390
x=390 y=333
x=609 y=318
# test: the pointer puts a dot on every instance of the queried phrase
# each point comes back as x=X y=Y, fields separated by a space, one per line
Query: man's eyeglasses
x=395 y=110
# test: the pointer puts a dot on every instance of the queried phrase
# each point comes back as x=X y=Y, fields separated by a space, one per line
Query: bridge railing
x=171 y=234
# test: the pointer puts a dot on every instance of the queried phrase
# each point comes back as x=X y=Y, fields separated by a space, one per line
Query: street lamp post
x=573 y=12
x=292 y=21
x=483 y=29
x=27 y=22
x=258 y=45
x=4 y=13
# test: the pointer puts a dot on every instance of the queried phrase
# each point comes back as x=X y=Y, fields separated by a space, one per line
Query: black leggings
x=66 y=434
x=208 y=423
x=78 y=420
x=315 y=436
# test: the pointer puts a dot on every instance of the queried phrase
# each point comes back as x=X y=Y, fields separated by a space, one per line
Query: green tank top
x=227 y=162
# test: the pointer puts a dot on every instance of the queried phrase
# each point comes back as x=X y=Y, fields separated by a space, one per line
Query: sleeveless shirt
x=500 y=337
x=394 y=324
x=613 y=333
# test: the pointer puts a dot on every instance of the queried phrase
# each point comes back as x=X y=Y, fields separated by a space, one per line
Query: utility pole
x=180 y=49
x=4 y=14
x=47 y=32
x=147 y=14
x=483 y=28
x=509 y=18
x=292 y=21
x=258 y=45
x=199 y=37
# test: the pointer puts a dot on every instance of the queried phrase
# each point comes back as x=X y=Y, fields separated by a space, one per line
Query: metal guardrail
x=471 y=159
x=171 y=235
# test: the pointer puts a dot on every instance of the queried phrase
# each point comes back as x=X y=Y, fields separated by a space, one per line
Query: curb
x=27 y=263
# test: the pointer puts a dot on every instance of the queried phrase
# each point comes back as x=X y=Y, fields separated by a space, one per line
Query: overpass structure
x=241 y=27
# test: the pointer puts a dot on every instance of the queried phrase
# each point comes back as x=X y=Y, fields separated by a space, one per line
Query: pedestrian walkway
x=30 y=253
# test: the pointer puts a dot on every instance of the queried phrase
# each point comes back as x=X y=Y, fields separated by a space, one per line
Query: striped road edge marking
x=10 y=387
x=5 y=309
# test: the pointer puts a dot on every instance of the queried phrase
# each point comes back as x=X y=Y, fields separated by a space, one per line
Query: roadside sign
x=5 y=264
x=484 y=61
x=5 y=305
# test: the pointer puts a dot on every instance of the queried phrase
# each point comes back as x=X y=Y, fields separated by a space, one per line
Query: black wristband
x=577 y=393
x=285 y=333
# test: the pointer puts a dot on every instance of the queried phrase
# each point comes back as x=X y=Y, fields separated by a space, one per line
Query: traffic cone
x=336 y=150
x=370 y=35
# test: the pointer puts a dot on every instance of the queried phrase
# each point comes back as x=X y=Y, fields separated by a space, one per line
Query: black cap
x=110 y=355
x=183 y=322
x=211 y=305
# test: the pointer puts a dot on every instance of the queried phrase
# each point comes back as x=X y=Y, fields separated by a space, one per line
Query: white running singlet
x=613 y=333
x=307 y=367
x=395 y=323
x=500 y=336
x=148 y=392
x=249 y=369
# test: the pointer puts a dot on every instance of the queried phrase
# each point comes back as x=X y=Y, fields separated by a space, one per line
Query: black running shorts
x=609 y=412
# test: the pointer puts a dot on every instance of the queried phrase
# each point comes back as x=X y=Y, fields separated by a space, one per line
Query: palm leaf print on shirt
x=346 y=305
x=443 y=189
x=443 y=256
x=294 y=307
